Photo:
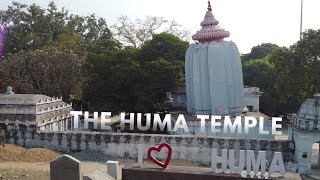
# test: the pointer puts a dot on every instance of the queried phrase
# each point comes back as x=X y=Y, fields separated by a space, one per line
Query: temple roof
x=32 y=108
x=210 y=30
x=310 y=109
x=25 y=99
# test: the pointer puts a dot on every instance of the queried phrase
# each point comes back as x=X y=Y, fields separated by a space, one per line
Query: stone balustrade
x=305 y=124
x=125 y=145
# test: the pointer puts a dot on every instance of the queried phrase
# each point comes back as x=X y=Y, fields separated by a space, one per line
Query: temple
x=214 y=81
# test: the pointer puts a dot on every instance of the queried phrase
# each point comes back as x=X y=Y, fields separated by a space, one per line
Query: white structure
x=214 y=82
x=113 y=169
x=251 y=98
x=305 y=131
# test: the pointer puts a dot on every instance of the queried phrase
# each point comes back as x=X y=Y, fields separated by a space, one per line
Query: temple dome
x=310 y=109
x=25 y=99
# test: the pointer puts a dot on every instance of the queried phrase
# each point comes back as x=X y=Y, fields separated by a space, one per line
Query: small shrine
x=304 y=129
x=34 y=111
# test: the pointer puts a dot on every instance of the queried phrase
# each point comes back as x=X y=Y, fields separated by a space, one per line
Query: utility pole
x=301 y=19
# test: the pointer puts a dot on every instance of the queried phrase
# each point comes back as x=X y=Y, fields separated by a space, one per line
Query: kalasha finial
x=209 y=6
x=210 y=30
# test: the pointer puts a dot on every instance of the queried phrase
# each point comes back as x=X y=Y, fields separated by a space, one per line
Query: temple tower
x=214 y=81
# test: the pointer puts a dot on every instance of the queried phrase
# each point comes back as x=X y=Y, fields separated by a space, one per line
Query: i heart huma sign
x=158 y=149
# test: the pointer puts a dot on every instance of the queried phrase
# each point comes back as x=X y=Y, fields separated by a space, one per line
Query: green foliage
x=259 y=52
x=49 y=71
x=166 y=46
x=113 y=79
x=261 y=73
x=159 y=77
x=120 y=81
x=298 y=71
x=33 y=27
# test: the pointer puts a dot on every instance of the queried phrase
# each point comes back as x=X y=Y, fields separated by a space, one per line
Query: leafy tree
x=298 y=71
x=114 y=75
x=138 y=32
x=50 y=71
x=121 y=81
x=166 y=46
x=261 y=73
x=159 y=77
x=32 y=27
x=259 y=52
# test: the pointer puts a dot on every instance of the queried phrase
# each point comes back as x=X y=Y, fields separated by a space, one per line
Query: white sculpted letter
x=228 y=123
x=76 y=115
x=214 y=124
x=104 y=120
x=93 y=120
x=275 y=125
x=256 y=163
x=124 y=120
x=247 y=123
x=277 y=159
x=261 y=125
x=232 y=166
x=203 y=122
x=181 y=123
x=215 y=159
x=148 y=122
x=166 y=121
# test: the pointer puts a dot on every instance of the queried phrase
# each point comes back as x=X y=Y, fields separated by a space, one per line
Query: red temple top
x=210 y=30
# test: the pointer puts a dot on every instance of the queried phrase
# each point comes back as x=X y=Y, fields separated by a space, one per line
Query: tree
x=298 y=71
x=32 y=27
x=50 y=71
x=159 y=77
x=114 y=75
x=138 y=32
x=166 y=46
x=121 y=81
x=259 y=52
x=261 y=73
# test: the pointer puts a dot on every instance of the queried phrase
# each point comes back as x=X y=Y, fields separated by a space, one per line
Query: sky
x=250 y=22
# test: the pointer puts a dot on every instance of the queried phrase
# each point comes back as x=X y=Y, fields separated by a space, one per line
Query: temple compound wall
x=124 y=145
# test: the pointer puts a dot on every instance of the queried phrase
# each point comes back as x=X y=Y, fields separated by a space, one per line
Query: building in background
x=34 y=111
x=251 y=99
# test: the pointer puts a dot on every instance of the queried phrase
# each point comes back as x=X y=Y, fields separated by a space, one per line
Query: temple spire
x=209 y=6
x=210 y=30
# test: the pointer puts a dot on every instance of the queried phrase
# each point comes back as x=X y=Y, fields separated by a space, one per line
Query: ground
x=21 y=163
x=17 y=163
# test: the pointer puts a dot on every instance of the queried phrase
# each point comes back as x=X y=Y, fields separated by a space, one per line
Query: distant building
x=179 y=98
x=251 y=98
x=34 y=111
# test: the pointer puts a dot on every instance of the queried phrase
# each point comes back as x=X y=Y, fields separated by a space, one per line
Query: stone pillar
x=113 y=169
x=303 y=151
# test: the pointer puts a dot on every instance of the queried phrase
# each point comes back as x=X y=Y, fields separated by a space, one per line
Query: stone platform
x=148 y=172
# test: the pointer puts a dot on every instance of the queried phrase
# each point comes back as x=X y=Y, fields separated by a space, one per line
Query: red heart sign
x=158 y=149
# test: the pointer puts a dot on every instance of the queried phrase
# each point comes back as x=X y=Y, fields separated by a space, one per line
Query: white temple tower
x=214 y=81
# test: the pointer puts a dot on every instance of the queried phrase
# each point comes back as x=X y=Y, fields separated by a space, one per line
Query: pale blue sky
x=251 y=22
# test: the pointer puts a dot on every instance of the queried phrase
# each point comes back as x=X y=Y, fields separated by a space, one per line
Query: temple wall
x=195 y=148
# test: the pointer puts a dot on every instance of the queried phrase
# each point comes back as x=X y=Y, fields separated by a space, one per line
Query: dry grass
x=13 y=153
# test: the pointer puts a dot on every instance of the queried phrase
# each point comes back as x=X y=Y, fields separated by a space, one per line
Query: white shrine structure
x=214 y=82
